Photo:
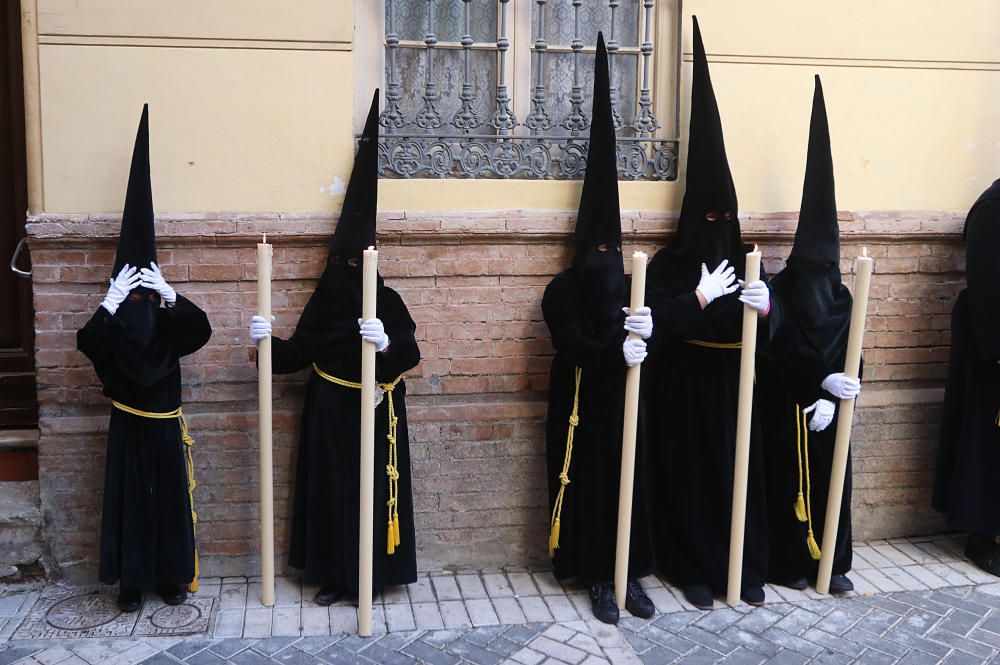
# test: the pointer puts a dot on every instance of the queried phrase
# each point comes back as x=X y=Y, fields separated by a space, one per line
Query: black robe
x=790 y=374
x=965 y=486
x=589 y=517
x=146 y=532
x=324 y=542
x=691 y=394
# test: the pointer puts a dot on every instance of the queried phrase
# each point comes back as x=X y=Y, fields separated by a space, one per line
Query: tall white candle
x=264 y=253
x=744 y=412
x=367 y=494
x=631 y=417
x=863 y=267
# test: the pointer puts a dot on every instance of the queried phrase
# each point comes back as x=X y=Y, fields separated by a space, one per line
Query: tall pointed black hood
x=356 y=227
x=708 y=229
x=599 y=218
x=137 y=239
x=598 y=264
x=817 y=237
x=813 y=297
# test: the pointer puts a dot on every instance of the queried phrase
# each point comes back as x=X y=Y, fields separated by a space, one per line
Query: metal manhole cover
x=174 y=617
x=83 y=612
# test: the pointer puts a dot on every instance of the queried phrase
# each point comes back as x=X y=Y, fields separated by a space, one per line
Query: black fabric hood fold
x=817 y=237
x=599 y=217
x=137 y=238
x=708 y=229
x=355 y=230
x=812 y=294
x=601 y=274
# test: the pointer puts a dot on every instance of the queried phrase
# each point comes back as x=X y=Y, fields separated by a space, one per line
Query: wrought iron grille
x=448 y=103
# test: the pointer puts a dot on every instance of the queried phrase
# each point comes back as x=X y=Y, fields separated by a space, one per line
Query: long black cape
x=690 y=393
x=589 y=519
x=804 y=351
x=965 y=485
x=324 y=541
x=146 y=531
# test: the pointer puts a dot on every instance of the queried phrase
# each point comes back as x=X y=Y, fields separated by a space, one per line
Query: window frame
x=665 y=65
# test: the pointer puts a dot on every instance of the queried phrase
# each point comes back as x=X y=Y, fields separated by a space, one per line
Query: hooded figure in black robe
x=800 y=380
x=965 y=486
x=583 y=308
x=147 y=525
x=691 y=385
x=324 y=541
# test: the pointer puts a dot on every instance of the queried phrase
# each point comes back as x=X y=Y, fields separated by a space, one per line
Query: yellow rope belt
x=803 y=508
x=392 y=468
x=188 y=462
x=996 y=421
x=714 y=345
x=574 y=420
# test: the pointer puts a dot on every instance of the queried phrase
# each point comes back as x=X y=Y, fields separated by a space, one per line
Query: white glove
x=717 y=283
x=373 y=332
x=634 y=351
x=756 y=295
x=152 y=279
x=126 y=280
x=841 y=386
x=260 y=328
x=640 y=323
x=823 y=416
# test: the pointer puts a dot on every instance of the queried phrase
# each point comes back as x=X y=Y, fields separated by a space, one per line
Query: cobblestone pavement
x=917 y=602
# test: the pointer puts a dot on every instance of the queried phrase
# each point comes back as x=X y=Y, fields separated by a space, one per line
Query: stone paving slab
x=909 y=609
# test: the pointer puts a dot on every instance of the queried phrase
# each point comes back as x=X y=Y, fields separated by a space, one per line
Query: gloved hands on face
x=153 y=280
x=121 y=285
x=640 y=323
x=841 y=386
x=823 y=415
x=717 y=283
x=634 y=351
x=756 y=295
x=373 y=332
x=131 y=277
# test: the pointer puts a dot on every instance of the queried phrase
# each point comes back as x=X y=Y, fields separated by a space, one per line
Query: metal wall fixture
x=472 y=143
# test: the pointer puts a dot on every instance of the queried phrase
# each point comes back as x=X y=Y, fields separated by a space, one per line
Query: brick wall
x=473 y=283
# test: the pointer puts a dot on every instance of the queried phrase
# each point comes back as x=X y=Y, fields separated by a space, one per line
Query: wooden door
x=18 y=397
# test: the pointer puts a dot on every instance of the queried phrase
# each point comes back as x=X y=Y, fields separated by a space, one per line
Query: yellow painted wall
x=251 y=105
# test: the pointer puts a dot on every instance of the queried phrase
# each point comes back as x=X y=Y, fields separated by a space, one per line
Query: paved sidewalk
x=917 y=601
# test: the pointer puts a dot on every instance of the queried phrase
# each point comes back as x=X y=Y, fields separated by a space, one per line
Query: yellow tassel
x=813 y=547
x=800 y=508
x=554 y=539
x=390 y=540
x=997 y=420
x=395 y=528
x=193 y=586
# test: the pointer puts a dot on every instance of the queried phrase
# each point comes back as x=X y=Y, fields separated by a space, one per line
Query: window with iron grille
x=502 y=88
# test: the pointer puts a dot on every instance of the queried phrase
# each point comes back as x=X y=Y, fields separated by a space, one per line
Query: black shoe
x=984 y=551
x=172 y=594
x=700 y=596
x=799 y=585
x=841 y=584
x=129 y=600
x=753 y=596
x=602 y=601
x=637 y=602
x=327 y=595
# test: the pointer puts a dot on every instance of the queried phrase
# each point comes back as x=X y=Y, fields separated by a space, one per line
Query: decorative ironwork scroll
x=449 y=106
